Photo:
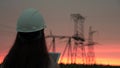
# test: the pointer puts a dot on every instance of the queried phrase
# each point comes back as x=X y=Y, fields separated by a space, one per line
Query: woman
x=29 y=49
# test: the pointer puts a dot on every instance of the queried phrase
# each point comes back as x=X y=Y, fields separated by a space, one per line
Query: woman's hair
x=28 y=51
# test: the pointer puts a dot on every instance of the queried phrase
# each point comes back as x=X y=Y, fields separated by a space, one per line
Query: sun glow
x=106 y=61
x=100 y=61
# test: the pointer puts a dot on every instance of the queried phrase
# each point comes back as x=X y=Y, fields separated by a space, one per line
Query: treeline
x=86 y=66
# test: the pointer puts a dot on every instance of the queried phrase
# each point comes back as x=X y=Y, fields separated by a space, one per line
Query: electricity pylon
x=78 y=35
x=91 y=43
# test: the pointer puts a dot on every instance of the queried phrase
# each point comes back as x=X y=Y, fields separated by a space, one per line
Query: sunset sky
x=102 y=15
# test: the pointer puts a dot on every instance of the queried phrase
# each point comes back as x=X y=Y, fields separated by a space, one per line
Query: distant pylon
x=91 y=43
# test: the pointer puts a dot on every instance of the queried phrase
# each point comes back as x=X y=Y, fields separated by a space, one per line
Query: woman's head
x=29 y=49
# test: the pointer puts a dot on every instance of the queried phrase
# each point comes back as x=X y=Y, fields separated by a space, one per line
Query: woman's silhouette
x=29 y=49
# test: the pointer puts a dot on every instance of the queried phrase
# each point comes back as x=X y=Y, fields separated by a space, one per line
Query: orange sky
x=102 y=56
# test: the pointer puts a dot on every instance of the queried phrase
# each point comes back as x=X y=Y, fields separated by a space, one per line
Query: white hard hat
x=30 y=21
